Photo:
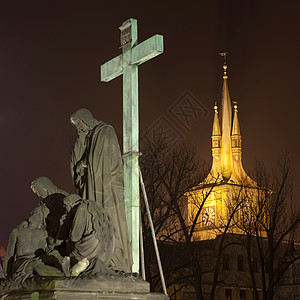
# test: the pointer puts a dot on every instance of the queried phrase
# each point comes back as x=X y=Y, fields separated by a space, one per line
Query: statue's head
x=38 y=216
x=43 y=187
x=83 y=120
x=71 y=200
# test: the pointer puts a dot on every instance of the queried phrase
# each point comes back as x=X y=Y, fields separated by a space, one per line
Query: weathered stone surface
x=85 y=288
x=127 y=63
x=88 y=284
x=97 y=172
x=73 y=295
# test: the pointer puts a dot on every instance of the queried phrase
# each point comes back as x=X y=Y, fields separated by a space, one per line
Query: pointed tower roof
x=216 y=125
x=216 y=150
x=235 y=124
x=226 y=158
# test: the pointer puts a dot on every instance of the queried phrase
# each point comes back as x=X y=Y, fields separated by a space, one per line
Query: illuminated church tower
x=222 y=187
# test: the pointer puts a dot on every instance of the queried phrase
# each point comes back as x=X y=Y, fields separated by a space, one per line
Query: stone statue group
x=72 y=234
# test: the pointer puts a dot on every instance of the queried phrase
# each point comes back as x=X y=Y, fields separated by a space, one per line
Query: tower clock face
x=208 y=216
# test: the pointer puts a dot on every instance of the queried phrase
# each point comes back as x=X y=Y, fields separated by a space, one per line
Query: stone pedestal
x=73 y=295
x=85 y=289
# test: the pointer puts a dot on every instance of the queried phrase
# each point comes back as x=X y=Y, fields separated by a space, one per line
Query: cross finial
x=216 y=107
x=235 y=105
x=224 y=55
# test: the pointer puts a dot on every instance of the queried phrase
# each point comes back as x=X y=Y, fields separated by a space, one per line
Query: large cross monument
x=133 y=54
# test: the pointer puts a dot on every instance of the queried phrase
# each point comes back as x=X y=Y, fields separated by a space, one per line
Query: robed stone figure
x=97 y=172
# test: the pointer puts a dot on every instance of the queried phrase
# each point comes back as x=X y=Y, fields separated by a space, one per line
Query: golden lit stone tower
x=227 y=176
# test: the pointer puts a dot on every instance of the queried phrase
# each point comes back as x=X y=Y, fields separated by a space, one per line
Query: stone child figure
x=97 y=172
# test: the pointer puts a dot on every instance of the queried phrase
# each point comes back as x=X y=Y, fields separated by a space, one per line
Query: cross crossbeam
x=140 y=54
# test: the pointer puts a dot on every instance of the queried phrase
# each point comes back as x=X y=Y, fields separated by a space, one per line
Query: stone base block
x=105 y=288
x=75 y=295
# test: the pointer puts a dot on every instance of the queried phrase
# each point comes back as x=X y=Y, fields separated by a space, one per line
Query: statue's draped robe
x=97 y=171
x=92 y=235
x=54 y=203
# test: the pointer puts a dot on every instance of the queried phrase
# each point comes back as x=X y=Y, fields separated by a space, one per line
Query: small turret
x=216 y=145
x=236 y=139
x=216 y=132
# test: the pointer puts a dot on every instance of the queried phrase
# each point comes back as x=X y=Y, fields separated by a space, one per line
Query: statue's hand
x=50 y=244
x=81 y=167
x=23 y=225
x=62 y=219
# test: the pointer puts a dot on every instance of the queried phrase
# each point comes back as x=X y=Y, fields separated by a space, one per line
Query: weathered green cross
x=127 y=63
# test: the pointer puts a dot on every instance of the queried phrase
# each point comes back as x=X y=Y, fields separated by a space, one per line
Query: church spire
x=226 y=158
x=227 y=175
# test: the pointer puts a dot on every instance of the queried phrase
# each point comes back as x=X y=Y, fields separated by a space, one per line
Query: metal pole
x=142 y=248
x=153 y=234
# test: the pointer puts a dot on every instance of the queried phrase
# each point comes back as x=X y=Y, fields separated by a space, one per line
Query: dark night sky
x=50 y=53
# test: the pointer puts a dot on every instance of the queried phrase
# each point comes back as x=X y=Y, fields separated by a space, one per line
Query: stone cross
x=133 y=54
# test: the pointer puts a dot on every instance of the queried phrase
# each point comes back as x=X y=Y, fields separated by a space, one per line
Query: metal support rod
x=142 y=248
x=153 y=234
